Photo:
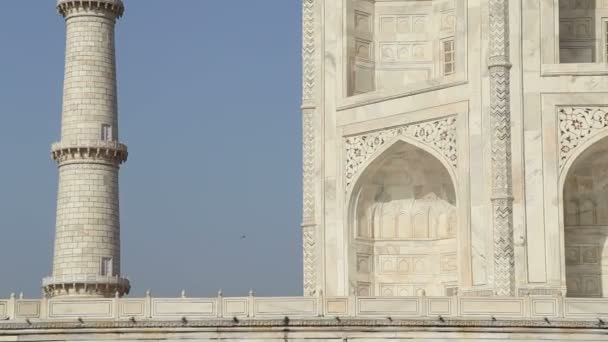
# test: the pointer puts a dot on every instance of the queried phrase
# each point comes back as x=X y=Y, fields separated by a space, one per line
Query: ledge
x=535 y=310
x=112 y=151
x=574 y=69
x=409 y=90
x=298 y=324
x=67 y=285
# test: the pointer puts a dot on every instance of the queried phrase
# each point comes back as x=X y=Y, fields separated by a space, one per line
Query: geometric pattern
x=308 y=146
x=500 y=118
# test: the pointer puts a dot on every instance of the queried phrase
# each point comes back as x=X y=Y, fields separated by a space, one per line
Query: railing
x=251 y=307
x=85 y=279
x=114 y=145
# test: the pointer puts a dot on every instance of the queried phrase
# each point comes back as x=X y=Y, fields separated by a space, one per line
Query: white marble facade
x=449 y=153
x=455 y=157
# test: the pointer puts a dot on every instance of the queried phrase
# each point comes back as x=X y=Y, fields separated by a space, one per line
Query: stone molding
x=331 y=322
x=577 y=124
x=439 y=135
x=500 y=117
x=68 y=7
x=109 y=151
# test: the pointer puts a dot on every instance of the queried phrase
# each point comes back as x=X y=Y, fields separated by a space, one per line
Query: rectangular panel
x=3 y=310
x=286 y=306
x=132 y=308
x=535 y=228
x=440 y=306
x=28 y=309
x=543 y=307
x=236 y=307
x=99 y=308
x=183 y=307
x=578 y=307
x=337 y=306
x=491 y=307
x=384 y=306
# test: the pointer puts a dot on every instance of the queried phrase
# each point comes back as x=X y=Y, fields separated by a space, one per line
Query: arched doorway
x=586 y=222
x=403 y=225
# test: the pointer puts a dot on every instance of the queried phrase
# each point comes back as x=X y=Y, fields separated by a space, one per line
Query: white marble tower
x=87 y=239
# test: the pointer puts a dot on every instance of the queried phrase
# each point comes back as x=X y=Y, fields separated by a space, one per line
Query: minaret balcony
x=109 y=151
x=86 y=285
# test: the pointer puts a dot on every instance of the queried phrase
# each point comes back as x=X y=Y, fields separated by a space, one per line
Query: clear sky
x=209 y=96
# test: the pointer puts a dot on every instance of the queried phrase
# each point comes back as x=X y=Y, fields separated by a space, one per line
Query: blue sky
x=209 y=96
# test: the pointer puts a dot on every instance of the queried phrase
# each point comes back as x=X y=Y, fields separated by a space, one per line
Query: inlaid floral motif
x=440 y=135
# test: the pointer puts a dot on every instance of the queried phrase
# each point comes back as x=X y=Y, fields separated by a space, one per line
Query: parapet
x=524 y=311
x=115 y=6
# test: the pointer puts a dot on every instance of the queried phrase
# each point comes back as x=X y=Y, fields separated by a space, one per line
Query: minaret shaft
x=89 y=93
x=87 y=238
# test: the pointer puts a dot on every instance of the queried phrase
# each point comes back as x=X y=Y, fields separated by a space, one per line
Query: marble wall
x=369 y=97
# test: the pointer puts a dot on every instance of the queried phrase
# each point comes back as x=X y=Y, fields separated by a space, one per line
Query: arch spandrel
x=578 y=128
x=437 y=137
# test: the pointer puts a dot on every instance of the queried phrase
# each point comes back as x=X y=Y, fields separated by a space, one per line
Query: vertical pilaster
x=500 y=118
x=86 y=257
x=309 y=238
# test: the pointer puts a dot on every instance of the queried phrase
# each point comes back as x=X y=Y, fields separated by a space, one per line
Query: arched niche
x=403 y=225
x=585 y=221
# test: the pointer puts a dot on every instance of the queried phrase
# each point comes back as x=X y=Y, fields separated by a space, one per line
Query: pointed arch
x=402 y=190
x=373 y=158
x=582 y=220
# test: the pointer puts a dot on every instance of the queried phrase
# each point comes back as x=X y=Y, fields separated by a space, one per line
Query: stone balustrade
x=528 y=308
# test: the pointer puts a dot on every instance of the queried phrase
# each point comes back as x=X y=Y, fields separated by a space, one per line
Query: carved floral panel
x=439 y=135
x=576 y=125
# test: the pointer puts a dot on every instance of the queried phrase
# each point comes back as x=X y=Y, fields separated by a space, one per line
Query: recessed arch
x=584 y=218
x=402 y=215
x=390 y=144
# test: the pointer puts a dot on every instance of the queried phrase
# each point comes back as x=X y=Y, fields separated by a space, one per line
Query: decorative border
x=344 y=322
x=499 y=68
x=308 y=50
x=308 y=146
x=440 y=135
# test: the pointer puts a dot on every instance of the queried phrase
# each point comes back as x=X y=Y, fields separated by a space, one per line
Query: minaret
x=86 y=257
